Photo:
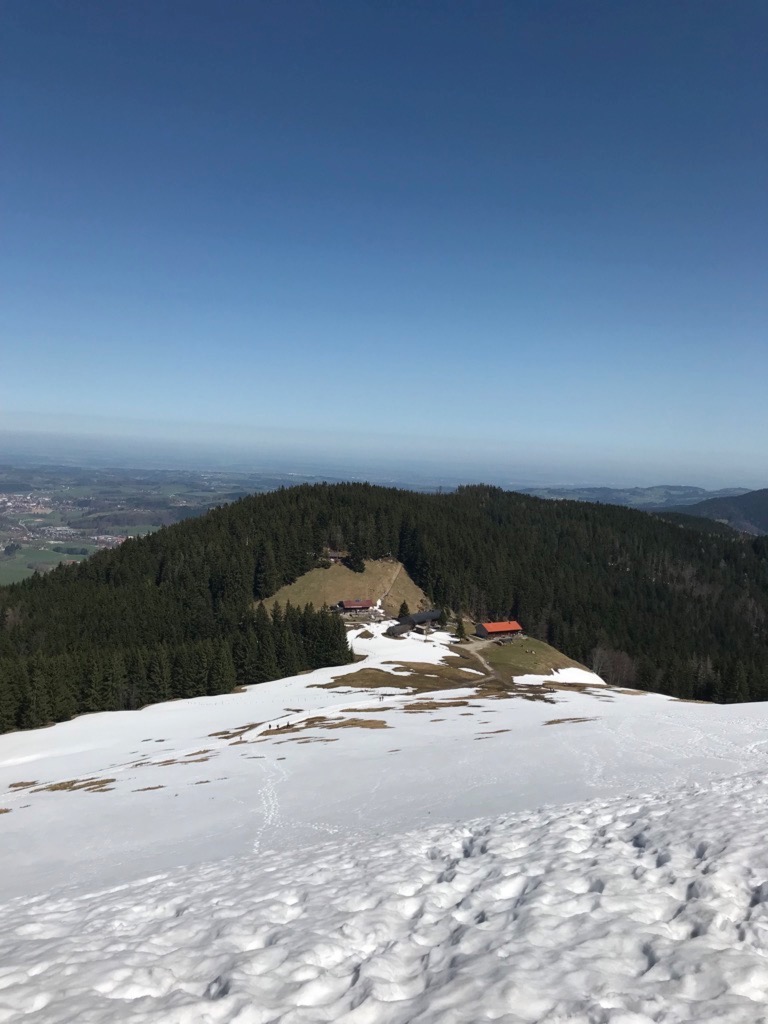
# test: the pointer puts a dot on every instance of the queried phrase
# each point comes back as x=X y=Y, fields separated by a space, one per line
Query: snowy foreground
x=295 y=853
x=620 y=911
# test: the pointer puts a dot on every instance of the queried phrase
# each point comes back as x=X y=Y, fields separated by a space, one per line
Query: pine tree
x=404 y=610
x=221 y=677
x=158 y=685
x=354 y=559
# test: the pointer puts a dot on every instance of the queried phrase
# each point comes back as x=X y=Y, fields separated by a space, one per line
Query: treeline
x=651 y=604
x=37 y=688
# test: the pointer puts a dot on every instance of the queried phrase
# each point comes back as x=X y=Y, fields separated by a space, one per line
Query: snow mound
x=571 y=674
x=612 y=912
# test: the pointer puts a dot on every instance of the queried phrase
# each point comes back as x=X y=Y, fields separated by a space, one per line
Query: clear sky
x=528 y=236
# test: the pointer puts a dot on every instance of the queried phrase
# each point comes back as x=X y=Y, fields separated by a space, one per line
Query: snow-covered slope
x=288 y=884
x=613 y=912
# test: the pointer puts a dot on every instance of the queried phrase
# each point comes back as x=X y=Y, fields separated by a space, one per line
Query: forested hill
x=648 y=603
x=747 y=512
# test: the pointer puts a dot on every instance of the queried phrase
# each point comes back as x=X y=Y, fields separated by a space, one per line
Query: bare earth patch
x=147 y=789
x=565 y=721
x=23 y=785
x=5 y=810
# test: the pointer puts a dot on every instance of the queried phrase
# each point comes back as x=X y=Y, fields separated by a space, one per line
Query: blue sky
x=525 y=238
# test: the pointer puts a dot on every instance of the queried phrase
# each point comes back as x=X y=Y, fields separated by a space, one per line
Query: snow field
x=652 y=909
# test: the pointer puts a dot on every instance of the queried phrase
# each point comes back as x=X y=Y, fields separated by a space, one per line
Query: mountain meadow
x=186 y=611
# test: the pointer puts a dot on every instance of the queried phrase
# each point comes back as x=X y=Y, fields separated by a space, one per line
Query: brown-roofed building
x=492 y=630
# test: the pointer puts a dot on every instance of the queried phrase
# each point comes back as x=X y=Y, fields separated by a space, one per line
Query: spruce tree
x=221 y=677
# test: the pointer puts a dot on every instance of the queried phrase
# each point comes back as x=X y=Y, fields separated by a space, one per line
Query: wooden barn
x=497 y=630
x=421 y=621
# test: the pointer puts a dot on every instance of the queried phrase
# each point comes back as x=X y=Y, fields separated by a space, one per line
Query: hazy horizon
x=96 y=450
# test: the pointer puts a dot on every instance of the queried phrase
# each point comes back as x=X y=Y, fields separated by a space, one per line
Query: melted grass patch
x=174 y=760
x=236 y=733
x=566 y=721
x=322 y=722
x=310 y=739
x=92 y=785
x=525 y=656
x=434 y=705
x=356 y=723
x=416 y=676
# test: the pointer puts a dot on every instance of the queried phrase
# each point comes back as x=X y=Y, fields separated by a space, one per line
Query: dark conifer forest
x=185 y=612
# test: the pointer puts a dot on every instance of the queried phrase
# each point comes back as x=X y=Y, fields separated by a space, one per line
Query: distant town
x=50 y=515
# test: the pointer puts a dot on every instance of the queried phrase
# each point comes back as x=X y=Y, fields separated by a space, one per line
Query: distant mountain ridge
x=662 y=496
x=746 y=512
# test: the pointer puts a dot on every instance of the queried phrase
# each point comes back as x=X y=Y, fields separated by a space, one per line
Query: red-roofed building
x=354 y=606
x=492 y=630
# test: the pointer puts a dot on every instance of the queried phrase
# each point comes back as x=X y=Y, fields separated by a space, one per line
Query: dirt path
x=391 y=584
x=491 y=675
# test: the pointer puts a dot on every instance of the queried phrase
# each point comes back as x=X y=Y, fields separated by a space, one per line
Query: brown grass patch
x=310 y=739
x=566 y=721
x=434 y=705
x=5 y=810
x=356 y=723
x=92 y=785
x=203 y=782
x=365 y=635
x=23 y=785
x=236 y=733
x=173 y=760
x=418 y=677
x=147 y=789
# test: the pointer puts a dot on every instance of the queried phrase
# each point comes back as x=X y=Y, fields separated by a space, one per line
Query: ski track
x=653 y=909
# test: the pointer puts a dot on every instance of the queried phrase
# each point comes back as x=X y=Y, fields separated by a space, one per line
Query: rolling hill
x=189 y=610
x=747 y=513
